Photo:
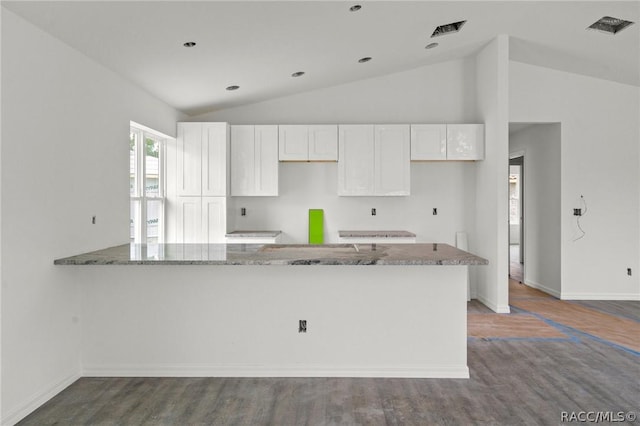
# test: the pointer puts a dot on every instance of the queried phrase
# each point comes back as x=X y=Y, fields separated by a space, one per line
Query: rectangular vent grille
x=609 y=25
x=453 y=27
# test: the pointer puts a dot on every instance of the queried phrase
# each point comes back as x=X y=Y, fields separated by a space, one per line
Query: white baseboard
x=600 y=296
x=39 y=398
x=499 y=309
x=195 y=370
x=548 y=290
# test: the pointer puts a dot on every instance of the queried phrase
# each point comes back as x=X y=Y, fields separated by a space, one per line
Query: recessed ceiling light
x=297 y=74
x=365 y=59
x=431 y=45
x=453 y=27
x=609 y=25
x=189 y=44
x=355 y=8
x=233 y=87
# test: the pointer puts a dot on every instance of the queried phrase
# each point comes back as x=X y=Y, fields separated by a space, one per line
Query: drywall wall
x=64 y=159
x=492 y=175
x=540 y=144
x=600 y=131
x=443 y=93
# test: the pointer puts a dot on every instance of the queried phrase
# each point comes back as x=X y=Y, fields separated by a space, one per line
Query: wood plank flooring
x=516 y=379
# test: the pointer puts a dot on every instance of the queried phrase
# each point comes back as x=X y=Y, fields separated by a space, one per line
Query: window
x=146 y=185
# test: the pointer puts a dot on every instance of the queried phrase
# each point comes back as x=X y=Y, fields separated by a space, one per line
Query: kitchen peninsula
x=335 y=310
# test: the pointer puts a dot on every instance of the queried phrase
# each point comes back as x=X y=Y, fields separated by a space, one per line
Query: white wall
x=542 y=259
x=64 y=158
x=438 y=93
x=443 y=93
x=492 y=175
x=600 y=160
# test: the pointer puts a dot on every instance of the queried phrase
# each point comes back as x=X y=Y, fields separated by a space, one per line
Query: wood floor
x=526 y=369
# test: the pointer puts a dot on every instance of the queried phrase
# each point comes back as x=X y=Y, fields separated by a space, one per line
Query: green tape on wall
x=316 y=226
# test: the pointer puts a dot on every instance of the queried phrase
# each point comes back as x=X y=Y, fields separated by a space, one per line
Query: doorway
x=516 y=217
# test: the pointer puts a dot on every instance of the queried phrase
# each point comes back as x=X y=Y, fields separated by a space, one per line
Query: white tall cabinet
x=198 y=183
x=254 y=160
x=374 y=160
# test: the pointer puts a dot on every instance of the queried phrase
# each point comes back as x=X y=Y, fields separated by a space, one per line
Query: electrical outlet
x=302 y=326
x=373 y=212
x=435 y=211
x=577 y=212
x=243 y=211
x=629 y=271
x=93 y=220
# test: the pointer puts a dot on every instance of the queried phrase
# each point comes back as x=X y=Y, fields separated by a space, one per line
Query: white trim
x=499 y=309
x=204 y=370
x=39 y=398
x=553 y=292
x=516 y=154
x=149 y=130
x=600 y=296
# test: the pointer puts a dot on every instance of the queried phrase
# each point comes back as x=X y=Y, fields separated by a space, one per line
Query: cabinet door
x=214 y=220
x=465 y=141
x=293 y=143
x=392 y=160
x=428 y=141
x=215 y=146
x=355 y=160
x=188 y=153
x=189 y=220
x=242 y=160
x=266 y=161
x=323 y=143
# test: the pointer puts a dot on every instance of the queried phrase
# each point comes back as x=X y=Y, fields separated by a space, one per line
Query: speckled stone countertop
x=253 y=234
x=376 y=234
x=277 y=254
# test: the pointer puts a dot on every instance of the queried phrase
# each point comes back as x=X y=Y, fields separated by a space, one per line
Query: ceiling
x=258 y=45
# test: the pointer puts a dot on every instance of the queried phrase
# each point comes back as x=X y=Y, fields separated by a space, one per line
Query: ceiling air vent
x=609 y=25
x=453 y=27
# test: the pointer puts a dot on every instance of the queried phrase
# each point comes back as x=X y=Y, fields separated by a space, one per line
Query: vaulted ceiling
x=259 y=45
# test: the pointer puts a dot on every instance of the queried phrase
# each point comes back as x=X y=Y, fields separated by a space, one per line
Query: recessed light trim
x=189 y=44
x=297 y=74
x=445 y=29
x=233 y=87
x=609 y=25
x=431 y=45
x=365 y=59
x=355 y=8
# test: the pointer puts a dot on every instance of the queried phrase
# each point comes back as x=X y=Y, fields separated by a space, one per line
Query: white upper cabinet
x=201 y=153
x=392 y=160
x=355 y=160
x=323 y=142
x=447 y=142
x=428 y=142
x=254 y=160
x=465 y=141
x=293 y=143
x=374 y=160
x=308 y=143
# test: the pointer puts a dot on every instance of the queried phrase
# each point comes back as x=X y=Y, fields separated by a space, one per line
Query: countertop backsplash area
x=448 y=187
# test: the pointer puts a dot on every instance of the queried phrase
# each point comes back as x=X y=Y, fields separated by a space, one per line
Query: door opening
x=516 y=218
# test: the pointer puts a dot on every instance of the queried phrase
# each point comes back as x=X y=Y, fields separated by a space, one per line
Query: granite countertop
x=253 y=234
x=277 y=254
x=376 y=234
